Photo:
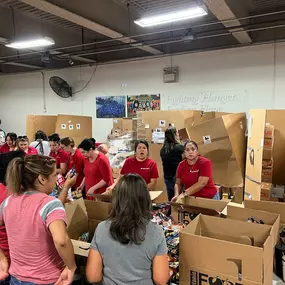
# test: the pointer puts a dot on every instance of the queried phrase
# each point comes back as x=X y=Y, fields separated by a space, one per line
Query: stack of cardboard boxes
x=267 y=163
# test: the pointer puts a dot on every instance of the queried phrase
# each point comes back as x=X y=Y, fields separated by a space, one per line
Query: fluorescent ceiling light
x=43 y=42
x=172 y=17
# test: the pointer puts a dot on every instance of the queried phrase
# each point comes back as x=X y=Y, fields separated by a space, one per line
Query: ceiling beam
x=81 y=21
x=21 y=65
x=222 y=12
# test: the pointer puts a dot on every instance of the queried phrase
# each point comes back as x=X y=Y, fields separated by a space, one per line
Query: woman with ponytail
x=40 y=250
x=97 y=169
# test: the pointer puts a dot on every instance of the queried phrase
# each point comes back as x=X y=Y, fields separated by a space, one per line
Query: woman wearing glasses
x=23 y=144
x=194 y=175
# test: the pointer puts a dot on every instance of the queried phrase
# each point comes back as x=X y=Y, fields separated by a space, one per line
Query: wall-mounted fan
x=60 y=87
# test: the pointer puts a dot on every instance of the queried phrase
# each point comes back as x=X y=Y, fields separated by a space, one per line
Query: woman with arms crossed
x=195 y=175
x=129 y=233
x=44 y=254
x=140 y=164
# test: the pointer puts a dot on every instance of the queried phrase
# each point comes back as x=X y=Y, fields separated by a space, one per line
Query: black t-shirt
x=171 y=160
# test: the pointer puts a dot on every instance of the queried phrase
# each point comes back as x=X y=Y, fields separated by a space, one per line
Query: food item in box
x=269 y=131
x=267 y=174
x=267 y=163
x=268 y=143
x=265 y=193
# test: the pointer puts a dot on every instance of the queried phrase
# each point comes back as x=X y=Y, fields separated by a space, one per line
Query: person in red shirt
x=194 y=175
x=97 y=169
x=75 y=160
x=23 y=144
x=10 y=143
x=58 y=154
x=140 y=164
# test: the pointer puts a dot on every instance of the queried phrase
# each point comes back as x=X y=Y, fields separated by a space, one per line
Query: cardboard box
x=222 y=140
x=277 y=191
x=270 y=219
x=116 y=172
x=197 y=205
x=268 y=143
x=148 y=122
x=266 y=189
x=267 y=154
x=223 y=251
x=123 y=124
x=269 y=132
x=267 y=174
x=199 y=117
x=267 y=163
x=268 y=206
x=257 y=122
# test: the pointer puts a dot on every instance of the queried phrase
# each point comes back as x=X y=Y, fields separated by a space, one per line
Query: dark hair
x=192 y=142
x=170 y=139
x=142 y=142
x=67 y=141
x=40 y=135
x=12 y=136
x=23 y=172
x=87 y=144
x=5 y=159
x=54 y=138
x=131 y=211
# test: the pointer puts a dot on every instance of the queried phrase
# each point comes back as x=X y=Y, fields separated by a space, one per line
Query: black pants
x=170 y=184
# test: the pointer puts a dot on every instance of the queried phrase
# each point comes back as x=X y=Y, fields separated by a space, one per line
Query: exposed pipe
x=154 y=33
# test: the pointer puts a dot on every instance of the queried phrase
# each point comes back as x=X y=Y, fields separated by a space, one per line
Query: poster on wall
x=142 y=103
x=111 y=107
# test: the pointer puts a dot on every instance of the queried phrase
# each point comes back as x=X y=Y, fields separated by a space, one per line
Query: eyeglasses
x=22 y=137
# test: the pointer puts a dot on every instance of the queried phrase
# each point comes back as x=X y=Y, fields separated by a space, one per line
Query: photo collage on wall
x=116 y=106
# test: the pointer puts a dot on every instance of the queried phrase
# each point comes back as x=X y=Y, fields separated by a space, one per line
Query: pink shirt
x=27 y=217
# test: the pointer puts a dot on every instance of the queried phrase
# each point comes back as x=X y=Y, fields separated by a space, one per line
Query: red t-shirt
x=61 y=157
x=96 y=171
x=31 y=151
x=76 y=161
x=4 y=148
x=3 y=234
x=147 y=169
x=189 y=175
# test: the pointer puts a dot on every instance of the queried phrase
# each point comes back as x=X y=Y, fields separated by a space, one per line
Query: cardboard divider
x=219 y=251
x=243 y=214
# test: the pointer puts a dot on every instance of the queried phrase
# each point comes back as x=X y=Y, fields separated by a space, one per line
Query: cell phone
x=72 y=172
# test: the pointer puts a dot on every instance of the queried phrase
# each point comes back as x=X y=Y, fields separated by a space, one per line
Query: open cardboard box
x=197 y=206
x=270 y=219
x=84 y=216
x=219 y=251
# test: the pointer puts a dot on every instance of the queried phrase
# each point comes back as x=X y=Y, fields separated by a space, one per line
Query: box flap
x=81 y=248
x=155 y=194
x=97 y=210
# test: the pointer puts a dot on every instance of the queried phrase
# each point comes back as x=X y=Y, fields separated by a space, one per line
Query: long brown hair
x=22 y=173
x=131 y=211
x=67 y=141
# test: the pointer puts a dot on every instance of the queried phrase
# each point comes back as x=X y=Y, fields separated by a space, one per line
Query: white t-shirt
x=45 y=148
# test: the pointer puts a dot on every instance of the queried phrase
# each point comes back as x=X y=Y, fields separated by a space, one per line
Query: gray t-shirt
x=128 y=264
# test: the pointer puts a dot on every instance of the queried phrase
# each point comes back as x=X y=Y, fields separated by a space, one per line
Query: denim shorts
x=15 y=281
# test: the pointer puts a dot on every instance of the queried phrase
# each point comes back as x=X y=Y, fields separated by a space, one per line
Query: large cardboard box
x=270 y=219
x=123 y=124
x=35 y=123
x=77 y=127
x=191 y=205
x=223 y=251
x=199 y=117
x=258 y=123
x=148 y=122
x=223 y=141
x=268 y=206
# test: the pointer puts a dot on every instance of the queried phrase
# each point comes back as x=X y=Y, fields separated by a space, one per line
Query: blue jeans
x=170 y=183
x=15 y=281
x=217 y=196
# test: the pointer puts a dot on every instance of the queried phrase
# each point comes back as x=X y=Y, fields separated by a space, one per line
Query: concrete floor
x=277 y=280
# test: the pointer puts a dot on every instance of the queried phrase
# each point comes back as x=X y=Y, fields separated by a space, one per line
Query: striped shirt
x=27 y=217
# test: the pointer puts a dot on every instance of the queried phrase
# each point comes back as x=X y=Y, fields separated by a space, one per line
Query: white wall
x=228 y=80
